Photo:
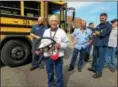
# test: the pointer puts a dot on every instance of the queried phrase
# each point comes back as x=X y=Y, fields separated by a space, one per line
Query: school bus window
x=32 y=9
x=53 y=7
x=56 y=9
x=10 y=7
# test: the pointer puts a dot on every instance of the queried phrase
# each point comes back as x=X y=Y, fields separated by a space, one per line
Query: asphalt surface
x=22 y=77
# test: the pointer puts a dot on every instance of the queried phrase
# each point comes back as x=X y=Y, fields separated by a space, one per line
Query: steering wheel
x=44 y=44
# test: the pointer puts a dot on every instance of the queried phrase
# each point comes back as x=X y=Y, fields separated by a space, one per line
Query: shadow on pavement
x=68 y=52
x=67 y=75
x=25 y=63
x=1 y=64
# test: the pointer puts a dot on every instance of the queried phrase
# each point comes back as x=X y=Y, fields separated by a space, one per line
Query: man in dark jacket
x=88 y=48
x=37 y=32
x=100 y=42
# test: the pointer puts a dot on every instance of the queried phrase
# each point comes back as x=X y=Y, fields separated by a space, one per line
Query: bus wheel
x=15 y=53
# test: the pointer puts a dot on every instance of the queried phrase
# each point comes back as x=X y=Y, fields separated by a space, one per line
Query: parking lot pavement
x=22 y=77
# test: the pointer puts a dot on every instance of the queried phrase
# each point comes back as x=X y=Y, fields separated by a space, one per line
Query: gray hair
x=53 y=17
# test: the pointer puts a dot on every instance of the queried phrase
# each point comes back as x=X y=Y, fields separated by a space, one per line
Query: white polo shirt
x=113 y=38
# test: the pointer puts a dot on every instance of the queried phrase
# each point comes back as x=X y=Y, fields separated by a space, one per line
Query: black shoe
x=33 y=68
x=112 y=70
x=79 y=70
x=87 y=60
x=97 y=75
x=91 y=69
x=70 y=68
x=41 y=66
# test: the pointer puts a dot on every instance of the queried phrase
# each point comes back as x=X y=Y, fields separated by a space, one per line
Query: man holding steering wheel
x=54 y=55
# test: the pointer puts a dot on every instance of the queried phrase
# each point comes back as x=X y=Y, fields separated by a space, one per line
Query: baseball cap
x=114 y=20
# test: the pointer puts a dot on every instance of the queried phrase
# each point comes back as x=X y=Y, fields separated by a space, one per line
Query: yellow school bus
x=16 y=20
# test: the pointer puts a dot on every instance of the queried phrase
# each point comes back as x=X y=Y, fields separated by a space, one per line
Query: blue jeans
x=110 y=57
x=36 y=60
x=98 y=58
x=88 y=50
x=81 y=59
x=58 y=65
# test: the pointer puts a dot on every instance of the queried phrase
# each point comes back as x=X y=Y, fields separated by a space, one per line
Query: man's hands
x=35 y=36
x=58 y=46
x=73 y=40
x=37 y=52
x=96 y=33
x=89 y=42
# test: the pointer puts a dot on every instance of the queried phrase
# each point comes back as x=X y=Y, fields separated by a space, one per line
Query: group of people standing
x=104 y=41
x=103 y=38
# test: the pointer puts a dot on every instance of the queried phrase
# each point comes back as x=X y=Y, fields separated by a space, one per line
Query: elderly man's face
x=40 y=20
x=53 y=23
x=103 y=19
x=83 y=25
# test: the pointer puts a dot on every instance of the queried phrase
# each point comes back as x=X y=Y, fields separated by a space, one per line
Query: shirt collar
x=115 y=28
x=84 y=30
x=54 y=30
